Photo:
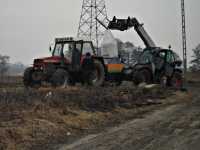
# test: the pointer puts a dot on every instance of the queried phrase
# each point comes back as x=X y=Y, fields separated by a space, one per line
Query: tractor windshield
x=63 y=48
x=87 y=48
x=57 y=50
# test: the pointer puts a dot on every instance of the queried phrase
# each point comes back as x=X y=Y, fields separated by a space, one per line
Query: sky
x=27 y=27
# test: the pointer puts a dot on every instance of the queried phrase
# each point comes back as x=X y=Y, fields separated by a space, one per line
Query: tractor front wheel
x=31 y=78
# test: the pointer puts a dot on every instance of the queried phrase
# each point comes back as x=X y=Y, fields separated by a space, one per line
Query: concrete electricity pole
x=184 y=40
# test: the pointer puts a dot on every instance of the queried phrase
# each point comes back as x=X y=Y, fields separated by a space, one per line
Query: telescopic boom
x=125 y=24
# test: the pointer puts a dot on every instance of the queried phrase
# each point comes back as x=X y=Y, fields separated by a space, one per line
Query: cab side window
x=87 y=48
x=162 y=55
x=146 y=58
x=170 y=57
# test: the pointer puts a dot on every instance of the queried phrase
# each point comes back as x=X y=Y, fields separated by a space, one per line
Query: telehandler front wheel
x=176 y=81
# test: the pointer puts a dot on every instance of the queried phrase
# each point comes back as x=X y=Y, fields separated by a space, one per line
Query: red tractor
x=74 y=61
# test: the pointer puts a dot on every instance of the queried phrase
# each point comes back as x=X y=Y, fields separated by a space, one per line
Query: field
x=46 y=118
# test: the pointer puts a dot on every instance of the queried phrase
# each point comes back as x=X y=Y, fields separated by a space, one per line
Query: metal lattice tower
x=89 y=27
x=184 y=35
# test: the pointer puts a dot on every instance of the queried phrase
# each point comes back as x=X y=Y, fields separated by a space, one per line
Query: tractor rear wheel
x=60 y=78
x=30 y=78
x=97 y=76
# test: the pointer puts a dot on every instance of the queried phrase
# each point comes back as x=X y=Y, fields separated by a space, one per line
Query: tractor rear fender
x=100 y=59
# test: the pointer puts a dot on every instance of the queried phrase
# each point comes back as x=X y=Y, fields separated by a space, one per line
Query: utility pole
x=184 y=40
x=89 y=28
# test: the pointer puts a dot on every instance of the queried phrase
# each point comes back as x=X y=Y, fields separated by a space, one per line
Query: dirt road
x=176 y=127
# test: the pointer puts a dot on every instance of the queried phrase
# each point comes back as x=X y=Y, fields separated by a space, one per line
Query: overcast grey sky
x=28 y=26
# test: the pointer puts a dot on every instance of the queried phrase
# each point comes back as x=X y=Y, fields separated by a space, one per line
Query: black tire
x=143 y=76
x=176 y=81
x=97 y=77
x=163 y=79
x=71 y=82
x=118 y=83
x=60 y=78
x=28 y=79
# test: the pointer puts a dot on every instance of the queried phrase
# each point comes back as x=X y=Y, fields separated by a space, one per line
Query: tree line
x=4 y=60
x=195 y=59
x=10 y=69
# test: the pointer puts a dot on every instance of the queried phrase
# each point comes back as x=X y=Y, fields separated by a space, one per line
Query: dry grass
x=193 y=77
x=10 y=81
x=29 y=117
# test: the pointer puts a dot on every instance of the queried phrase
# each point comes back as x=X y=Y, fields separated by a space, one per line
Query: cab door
x=76 y=56
x=169 y=65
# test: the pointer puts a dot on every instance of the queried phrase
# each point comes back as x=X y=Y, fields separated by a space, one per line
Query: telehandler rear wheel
x=143 y=76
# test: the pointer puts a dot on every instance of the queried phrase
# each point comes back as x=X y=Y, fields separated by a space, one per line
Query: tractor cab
x=71 y=51
x=160 y=57
x=67 y=52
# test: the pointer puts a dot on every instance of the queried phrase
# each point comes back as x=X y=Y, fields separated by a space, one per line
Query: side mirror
x=51 y=46
x=50 y=49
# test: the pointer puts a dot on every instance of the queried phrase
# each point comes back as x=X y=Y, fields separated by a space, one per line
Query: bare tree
x=196 y=59
x=3 y=64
